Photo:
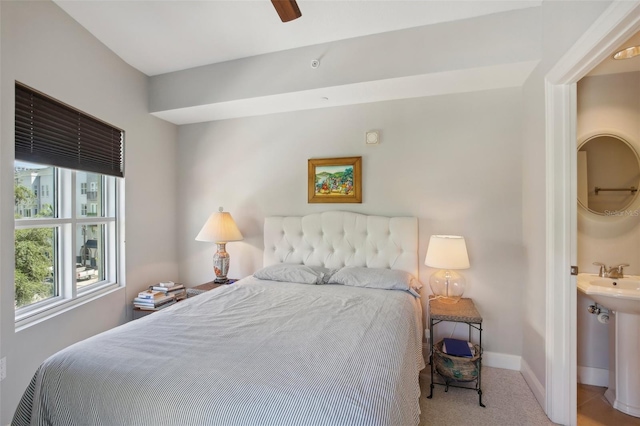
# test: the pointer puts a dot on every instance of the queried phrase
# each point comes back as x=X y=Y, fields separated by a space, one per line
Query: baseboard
x=534 y=384
x=489 y=359
x=593 y=376
x=500 y=360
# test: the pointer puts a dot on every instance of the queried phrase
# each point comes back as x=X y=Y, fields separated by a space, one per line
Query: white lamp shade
x=220 y=228
x=447 y=252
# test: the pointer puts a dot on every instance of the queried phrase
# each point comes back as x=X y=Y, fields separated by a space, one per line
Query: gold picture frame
x=335 y=180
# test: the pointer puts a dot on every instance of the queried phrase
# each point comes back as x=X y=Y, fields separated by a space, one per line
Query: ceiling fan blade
x=287 y=9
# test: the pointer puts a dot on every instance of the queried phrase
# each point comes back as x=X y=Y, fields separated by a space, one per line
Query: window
x=63 y=252
x=43 y=274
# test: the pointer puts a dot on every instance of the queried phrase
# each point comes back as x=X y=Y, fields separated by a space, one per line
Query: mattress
x=252 y=353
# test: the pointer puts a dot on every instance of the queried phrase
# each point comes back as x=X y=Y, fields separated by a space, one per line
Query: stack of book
x=170 y=289
x=152 y=300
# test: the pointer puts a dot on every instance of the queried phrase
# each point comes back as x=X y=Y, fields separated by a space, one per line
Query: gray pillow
x=287 y=272
x=388 y=279
x=326 y=273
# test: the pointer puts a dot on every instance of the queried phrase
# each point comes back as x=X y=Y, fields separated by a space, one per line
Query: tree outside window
x=33 y=255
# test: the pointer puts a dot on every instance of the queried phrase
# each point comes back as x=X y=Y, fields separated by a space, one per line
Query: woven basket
x=456 y=368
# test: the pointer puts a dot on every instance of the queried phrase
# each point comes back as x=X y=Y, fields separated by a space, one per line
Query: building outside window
x=83 y=188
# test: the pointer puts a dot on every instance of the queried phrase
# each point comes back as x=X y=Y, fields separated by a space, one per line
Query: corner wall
x=46 y=49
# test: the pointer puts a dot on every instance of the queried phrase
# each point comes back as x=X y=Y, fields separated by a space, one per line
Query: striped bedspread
x=252 y=353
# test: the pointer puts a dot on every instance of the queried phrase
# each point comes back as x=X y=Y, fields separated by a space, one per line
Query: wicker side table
x=463 y=312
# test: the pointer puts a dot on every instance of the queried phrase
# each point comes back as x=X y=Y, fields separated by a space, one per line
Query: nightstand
x=139 y=313
x=462 y=312
x=177 y=292
x=199 y=289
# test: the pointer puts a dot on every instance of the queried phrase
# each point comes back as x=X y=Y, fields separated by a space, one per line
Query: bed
x=260 y=351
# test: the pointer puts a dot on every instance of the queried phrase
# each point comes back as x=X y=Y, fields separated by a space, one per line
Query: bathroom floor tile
x=588 y=392
x=595 y=410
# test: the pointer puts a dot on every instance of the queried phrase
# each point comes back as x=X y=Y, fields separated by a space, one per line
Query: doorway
x=618 y=23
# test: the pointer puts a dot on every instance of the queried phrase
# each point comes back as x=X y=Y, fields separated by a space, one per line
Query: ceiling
x=163 y=36
x=158 y=37
x=613 y=66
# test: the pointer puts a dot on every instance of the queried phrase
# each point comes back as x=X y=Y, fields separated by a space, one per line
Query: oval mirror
x=608 y=175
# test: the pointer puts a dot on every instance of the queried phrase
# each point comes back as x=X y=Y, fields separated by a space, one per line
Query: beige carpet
x=507 y=397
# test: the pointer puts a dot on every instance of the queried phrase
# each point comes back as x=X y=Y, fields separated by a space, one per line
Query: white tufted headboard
x=337 y=239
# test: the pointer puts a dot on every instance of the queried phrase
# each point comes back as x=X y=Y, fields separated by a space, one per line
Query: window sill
x=29 y=319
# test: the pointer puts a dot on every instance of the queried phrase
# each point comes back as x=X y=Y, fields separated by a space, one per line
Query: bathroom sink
x=622 y=296
x=618 y=294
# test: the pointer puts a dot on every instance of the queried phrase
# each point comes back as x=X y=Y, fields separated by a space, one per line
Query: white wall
x=562 y=24
x=453 y=161
x=46 y=49
x=607 y=103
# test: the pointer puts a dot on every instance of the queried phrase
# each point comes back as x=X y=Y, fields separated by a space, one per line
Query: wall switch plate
x=3 y=368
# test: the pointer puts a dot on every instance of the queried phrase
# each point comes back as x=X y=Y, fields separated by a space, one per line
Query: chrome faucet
x=613 y=272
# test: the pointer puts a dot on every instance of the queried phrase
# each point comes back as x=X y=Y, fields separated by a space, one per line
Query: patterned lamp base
x=221 y=263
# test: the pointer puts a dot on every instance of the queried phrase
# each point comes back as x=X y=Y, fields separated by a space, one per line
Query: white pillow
x=388 y=279
x=287 y=272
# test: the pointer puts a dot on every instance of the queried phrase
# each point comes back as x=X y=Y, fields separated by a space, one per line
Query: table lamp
x=220 y=228
x=447 y=252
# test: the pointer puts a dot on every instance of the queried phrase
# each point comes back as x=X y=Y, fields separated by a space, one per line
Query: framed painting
x=335 y=180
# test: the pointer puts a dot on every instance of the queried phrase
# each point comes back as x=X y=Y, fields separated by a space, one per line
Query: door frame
x=617 y=23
